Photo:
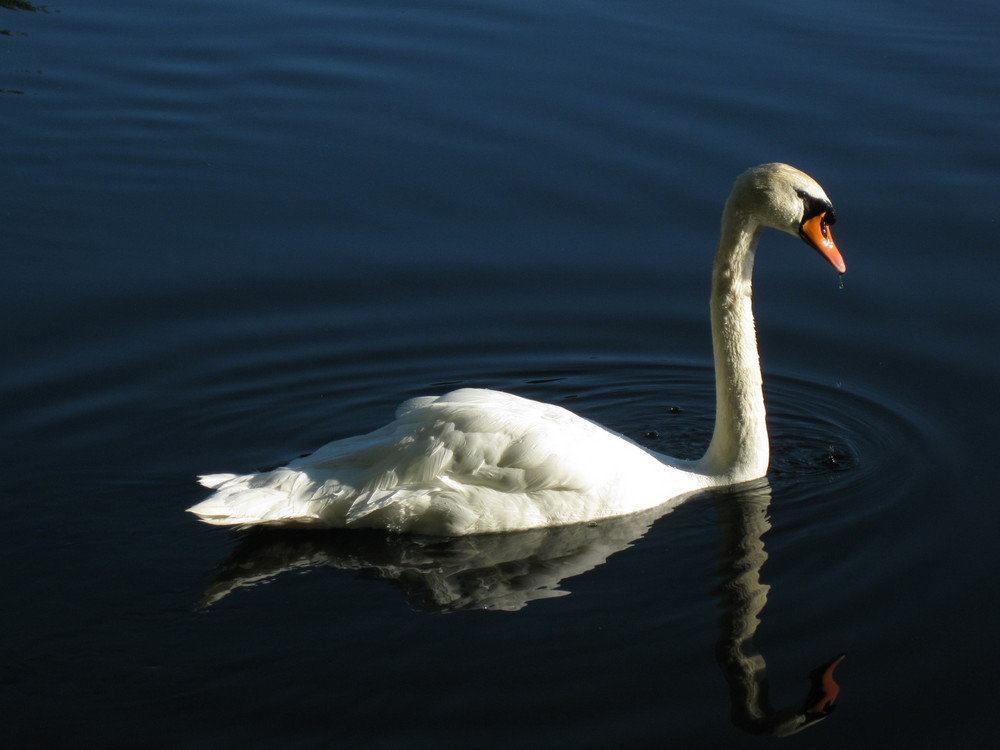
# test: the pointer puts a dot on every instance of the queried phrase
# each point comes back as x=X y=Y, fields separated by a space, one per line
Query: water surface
x=235 y=231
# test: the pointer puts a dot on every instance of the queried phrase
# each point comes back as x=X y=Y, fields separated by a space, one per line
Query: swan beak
x=816 y=233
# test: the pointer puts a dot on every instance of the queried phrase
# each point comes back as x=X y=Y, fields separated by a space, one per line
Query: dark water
x=233 y=231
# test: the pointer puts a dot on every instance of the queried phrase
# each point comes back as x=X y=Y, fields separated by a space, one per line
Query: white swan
x=478 y=461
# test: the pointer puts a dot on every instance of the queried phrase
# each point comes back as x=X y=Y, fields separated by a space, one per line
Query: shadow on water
x=508 y=571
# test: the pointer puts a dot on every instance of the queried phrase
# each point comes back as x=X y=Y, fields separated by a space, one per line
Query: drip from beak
x=816 y=233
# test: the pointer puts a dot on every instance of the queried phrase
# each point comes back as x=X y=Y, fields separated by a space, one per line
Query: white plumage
x=480 y=461
x=466 y=462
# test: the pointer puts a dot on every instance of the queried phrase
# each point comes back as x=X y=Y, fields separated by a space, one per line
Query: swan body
x=481 y=461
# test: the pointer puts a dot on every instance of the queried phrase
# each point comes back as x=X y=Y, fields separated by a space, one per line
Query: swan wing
x=470 y=461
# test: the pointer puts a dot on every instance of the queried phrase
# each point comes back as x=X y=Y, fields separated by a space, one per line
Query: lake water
x=233 y=231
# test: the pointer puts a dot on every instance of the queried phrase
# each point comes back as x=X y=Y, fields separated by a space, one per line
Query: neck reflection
x=743 y=516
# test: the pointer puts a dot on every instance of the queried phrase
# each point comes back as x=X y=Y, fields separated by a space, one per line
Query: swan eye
x=813 y=207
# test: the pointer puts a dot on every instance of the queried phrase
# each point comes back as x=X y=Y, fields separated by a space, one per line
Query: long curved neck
x=739 y=448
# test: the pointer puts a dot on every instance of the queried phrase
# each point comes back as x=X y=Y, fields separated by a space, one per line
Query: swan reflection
x=488 y=571
x=508 y=571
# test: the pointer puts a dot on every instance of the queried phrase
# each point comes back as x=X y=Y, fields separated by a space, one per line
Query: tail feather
x=214 y=481
x=237 y=502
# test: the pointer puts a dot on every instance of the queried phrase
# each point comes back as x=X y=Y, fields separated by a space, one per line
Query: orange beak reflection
x=816 y=232
x=828 y=689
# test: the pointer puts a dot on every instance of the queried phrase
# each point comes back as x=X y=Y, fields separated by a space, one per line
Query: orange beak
x=816 y=232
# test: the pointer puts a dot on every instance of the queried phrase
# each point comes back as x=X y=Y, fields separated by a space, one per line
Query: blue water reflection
x=235 y=231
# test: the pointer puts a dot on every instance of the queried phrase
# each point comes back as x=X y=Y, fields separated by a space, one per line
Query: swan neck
x=739 y=447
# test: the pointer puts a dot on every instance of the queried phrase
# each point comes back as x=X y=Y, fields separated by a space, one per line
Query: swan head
x=788 y=199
